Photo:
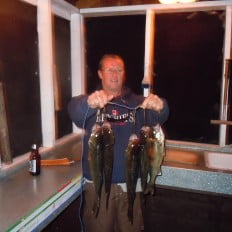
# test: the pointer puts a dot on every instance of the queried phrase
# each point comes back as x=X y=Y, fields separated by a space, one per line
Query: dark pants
x=115 y=218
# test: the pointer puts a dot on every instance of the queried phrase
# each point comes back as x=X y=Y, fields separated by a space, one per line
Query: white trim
x=77 y=58
x=32 y=2
x=69 y=12
x=63 y=9
x=159 y=8
x=39 y=215
x=59 y=7
x=227 y=55
x=149 y=48
x=46 y=71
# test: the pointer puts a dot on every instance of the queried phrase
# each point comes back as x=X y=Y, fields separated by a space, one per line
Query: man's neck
x=114 y=93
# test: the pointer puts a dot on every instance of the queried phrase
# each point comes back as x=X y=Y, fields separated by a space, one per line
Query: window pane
x=19 y=73
x=124 y=35
x=188 y=71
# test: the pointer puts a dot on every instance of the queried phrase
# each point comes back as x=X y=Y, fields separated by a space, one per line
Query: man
x=121 y=110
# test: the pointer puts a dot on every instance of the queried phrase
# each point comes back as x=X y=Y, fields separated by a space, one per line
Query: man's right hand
x=98 y=99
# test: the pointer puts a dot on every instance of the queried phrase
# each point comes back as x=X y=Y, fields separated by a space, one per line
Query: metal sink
x=218 y=160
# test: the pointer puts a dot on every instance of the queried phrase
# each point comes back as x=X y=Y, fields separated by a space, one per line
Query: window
x=29 y=118
x=190 y=47
x=123 y=35
x=188 y=72
x=19 y=74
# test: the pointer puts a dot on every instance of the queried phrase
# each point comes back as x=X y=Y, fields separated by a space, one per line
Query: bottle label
x=32 y=166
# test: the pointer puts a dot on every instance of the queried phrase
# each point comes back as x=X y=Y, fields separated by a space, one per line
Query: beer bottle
x=34 y=161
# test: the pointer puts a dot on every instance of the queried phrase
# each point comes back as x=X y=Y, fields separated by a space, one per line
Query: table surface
x=20 y=192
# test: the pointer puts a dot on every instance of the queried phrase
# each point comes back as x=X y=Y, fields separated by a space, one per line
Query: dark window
x=188 y=71
x=188 y=65
x=63 y=75
x=124 y=35
x=19 y=73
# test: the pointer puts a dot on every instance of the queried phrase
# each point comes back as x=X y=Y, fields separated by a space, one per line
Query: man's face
x=112 y=75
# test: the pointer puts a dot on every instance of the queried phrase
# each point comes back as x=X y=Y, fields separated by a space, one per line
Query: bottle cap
x=34 y=146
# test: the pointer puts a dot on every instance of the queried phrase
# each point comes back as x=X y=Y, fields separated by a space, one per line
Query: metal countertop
x=33 y=201
x=21 y=193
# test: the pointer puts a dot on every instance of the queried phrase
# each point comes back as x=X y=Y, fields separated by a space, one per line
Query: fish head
x=95 y=128
x=133 y=137
x=133 y=146
x=130 y=145
x=106 y=125
x=96 y=134
x=144 y=133
x=158 y=133
x=107 y=134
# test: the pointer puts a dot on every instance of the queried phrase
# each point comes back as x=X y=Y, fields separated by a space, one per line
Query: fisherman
x=127 y=113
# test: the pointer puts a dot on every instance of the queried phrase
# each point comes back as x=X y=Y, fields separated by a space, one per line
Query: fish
x=156 y=153
x=132 y=172
x=108 y=157
x=95 y=157
x=145 y=134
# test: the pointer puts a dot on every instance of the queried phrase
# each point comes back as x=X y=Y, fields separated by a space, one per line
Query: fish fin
x=150 y=190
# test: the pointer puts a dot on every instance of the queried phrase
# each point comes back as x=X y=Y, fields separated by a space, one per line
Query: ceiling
x=107 y=3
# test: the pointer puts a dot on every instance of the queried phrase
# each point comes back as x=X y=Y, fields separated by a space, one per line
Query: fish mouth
x=106 y=124
x=95 y=127
x=133 y=137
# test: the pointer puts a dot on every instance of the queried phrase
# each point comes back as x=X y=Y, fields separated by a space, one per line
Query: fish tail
x=107 y=187
x=150 y=189
x=143 y=199
x=107 y=200
x=130 y=214
x=96 y=207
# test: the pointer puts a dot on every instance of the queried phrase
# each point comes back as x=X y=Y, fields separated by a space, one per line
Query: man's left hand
x=152 y=102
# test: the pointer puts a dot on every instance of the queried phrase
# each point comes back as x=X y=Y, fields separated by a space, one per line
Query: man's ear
x=99 y=74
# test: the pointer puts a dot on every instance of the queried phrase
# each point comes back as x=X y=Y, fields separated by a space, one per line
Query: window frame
x=45 y=9
x=150 y=11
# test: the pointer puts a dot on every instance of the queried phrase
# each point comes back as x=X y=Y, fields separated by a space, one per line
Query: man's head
x=111 y=71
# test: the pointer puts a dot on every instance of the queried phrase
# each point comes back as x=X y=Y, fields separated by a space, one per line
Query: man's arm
x=79 y=110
